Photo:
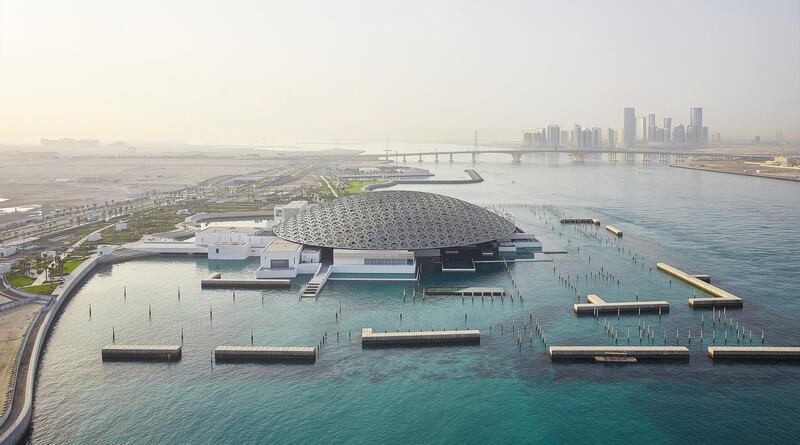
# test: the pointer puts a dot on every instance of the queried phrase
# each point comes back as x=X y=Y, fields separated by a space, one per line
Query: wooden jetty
x=265 y=353
x=775 y=353
x=718 y=297
x=141 y=352
x=216 y=280
x=597 y=304
x=637 y=352
x=614 y=230
x=580 y=221
x=466 y=291
x=419 y=338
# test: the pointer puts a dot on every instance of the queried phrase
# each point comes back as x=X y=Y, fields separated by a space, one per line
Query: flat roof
x=282 y=245
x=293 y=205
x=219 y=229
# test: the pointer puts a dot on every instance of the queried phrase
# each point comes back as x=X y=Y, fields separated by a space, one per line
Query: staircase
x=315 y=284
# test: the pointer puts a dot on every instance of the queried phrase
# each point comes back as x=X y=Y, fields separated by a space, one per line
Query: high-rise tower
x=629 y=127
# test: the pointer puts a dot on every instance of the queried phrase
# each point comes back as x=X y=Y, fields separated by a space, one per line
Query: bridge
x=578 y=154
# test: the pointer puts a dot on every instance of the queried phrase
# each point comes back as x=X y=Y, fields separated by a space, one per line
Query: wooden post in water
x=113 y=334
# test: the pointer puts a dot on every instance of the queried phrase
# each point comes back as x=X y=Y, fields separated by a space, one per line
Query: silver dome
x=395 y=220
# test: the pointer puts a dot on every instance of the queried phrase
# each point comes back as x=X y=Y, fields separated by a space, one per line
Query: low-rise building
x=7 y=251
x=280 y=259
x=105 y=249
x=283 y=212
x=229 y=250
x=121 y=226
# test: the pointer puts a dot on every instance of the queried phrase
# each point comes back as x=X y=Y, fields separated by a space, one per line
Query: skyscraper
x=553 y=135
x=611 y=138
x=575 y=137
x=597 y=137
x=667 y=129
x=696 y=121
x=629 y=127
x=641 y=129
x=651 y=127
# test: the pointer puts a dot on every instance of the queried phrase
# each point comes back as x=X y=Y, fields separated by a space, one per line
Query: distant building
x=629 y=130
x=576 y=136
x=611 y=138
x=641 y=129
x=586 y=138
x=651 y=127
x=597 y=137
x=679 y=135
x=538 y=138
x=667 y=129
x=553 y=135
x=696 y=123
x=121 y=226
x=527 y=139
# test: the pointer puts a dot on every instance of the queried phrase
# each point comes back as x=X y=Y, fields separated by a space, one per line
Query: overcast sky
x=227 y=70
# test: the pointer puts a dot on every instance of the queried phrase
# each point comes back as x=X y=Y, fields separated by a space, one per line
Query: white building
x=374 y=261
x=49 y=254
x=212 y=235
x=228 y=250
x=105 y=249
x=94 y=236
x=284 y=212
x=280 y=259
x=7 y=251
x=121 y=226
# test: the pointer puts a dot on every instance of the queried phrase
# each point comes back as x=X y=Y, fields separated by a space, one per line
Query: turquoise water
x=740 y=230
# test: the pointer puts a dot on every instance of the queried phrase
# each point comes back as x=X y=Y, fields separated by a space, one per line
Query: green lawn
x=18 y=280
x=356 y=187
x=44 y=289
x=71 y=265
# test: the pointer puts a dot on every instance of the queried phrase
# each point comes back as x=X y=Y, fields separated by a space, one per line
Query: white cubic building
x=229 y=250
x=7 y=251
x=284 y=212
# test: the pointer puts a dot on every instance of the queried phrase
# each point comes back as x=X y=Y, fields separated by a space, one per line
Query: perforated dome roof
x=395 y=220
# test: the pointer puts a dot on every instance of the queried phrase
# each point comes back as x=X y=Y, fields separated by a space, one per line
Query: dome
x=390 y=220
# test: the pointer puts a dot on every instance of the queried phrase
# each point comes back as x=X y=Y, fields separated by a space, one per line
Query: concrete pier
x=216 y=280
x=614 y=230
x=595 y=303
x=718 y=297
x=638 y=352
x=580 y=221
x=419 y=338
x=265 y=353
x=467 y=291
x=141 y=352
x=775 y=353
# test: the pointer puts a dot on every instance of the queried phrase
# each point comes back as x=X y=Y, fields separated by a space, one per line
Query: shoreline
x=19 y=415
x=754 y=175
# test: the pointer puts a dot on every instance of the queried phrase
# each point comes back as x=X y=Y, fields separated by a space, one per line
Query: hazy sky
x=227 y=70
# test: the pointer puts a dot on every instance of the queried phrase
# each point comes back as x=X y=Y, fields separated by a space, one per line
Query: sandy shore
x=13 y=324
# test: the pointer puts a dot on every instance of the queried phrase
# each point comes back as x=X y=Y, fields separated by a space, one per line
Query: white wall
x=228 y=251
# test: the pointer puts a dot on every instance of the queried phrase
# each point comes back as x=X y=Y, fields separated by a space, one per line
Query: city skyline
x=193 y=72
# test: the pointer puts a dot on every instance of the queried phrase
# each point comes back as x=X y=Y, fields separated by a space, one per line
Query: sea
x=742 y=231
